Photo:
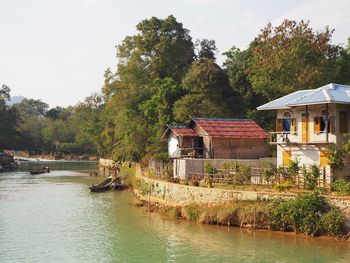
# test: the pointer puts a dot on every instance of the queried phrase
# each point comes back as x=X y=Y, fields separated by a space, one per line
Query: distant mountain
x=15 y=99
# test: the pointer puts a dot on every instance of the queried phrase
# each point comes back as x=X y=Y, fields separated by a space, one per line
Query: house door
x=305 y=135
x=286 y=157
x=198 y=146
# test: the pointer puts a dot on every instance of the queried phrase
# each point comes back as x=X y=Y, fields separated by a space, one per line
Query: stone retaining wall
x=172 y=194
x=105 y=162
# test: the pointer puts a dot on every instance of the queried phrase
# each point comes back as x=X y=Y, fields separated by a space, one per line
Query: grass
x=128 y=175
x=240 y=213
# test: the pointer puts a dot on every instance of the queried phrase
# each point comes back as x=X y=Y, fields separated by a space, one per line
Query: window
x=320 y=123
x=343 y=122
x=287 y=121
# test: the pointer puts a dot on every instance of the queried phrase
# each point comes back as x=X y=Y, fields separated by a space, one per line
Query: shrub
x=332 y=222
x=311 y=177
x=210 y=172
x=243 y=173
x=283 y=186
x=341 y=187
x=269 y=169
x=279 y=213
x=293 y=169
x=191 y=212
x=309 y=214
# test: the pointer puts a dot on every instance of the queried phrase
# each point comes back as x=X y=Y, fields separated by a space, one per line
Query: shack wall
x=227 y=148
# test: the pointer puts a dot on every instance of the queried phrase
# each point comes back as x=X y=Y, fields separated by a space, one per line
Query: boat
x=102 y=187
x=37 y=172
x=44 y=169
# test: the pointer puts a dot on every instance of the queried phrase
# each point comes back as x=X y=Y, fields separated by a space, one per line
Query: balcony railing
x=192 y=152
x=302 y=137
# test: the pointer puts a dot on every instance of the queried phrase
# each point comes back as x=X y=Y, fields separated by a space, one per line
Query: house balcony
x=195 y=152
x=300 y=138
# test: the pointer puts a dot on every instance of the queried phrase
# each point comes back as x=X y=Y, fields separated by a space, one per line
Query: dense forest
x=162 y=77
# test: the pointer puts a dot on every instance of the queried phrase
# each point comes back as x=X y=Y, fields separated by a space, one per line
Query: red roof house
x=217 y=138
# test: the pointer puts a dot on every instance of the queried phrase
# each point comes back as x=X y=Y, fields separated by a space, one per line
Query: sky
x=58 y=51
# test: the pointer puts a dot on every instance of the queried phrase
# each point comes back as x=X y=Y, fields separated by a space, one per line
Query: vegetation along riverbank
x=309 y=213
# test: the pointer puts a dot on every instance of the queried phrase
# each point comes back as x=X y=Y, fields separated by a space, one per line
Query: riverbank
x=245 y=209
x=28 y=156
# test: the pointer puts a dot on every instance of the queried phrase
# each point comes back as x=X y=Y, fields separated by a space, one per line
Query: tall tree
x=8 y=120
x=208 y=93
x=162 y=49
x=206 y=48
x=290 y=57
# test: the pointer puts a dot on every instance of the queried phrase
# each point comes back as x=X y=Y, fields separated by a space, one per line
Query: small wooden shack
x=217 y=138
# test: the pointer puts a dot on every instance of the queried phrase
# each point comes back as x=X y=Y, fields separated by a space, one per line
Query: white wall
x=173 y=147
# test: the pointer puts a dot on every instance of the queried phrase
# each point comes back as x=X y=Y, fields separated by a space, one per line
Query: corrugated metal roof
x=183 y=131
x=331 y=93
x=231 y=128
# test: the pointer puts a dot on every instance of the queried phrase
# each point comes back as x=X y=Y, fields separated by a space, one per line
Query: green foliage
x=332 y=222
x=282 y=187
x=293 y=168
x=311 y=177
x=269 y=170
x=210 y=172
x=208 y=92
x=8 y=120
x=341 y=187
x=279 y=213
x=141 y=93
x=191 y=212
x=309 y=214
x=30 y=108
x=243 y=173
x=335 y=156
x=290 y=57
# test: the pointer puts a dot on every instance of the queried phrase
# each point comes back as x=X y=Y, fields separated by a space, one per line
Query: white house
x=307 y=122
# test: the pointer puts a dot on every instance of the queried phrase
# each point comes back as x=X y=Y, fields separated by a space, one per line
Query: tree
x=8 y=120
x=342 y=65
x=208 y=93
x=30 y=107
x=290 y=57
x=161 y=49
x=206 y=48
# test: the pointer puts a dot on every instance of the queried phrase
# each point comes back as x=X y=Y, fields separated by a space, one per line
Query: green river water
x=54 y=218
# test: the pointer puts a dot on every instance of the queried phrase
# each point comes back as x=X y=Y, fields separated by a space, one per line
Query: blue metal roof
x=331 y=93
x=222 y=119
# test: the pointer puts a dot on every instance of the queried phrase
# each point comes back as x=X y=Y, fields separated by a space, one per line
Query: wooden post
x=327 y=121
x=307 y=124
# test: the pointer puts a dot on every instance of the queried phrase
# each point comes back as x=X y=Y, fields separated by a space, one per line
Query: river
x=54 y=218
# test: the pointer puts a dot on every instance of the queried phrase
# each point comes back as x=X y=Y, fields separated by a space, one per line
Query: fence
x=262 y=176
x=159 y=168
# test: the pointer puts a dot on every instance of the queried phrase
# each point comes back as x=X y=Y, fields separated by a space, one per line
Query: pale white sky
x=58 y=50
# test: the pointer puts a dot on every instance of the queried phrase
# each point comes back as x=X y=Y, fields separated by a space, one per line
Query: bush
x=269 y=169
x=280 y=215
x=242 y=174
x=332 y=222
x=311 y=177
x=309 y=214
x=283 y=186
x=293 y=169
x=341 y=187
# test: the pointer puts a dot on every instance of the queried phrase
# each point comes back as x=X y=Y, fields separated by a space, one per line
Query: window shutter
x=317 y=128
x=324 y=161
x=279 y=125
x=293 y=127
